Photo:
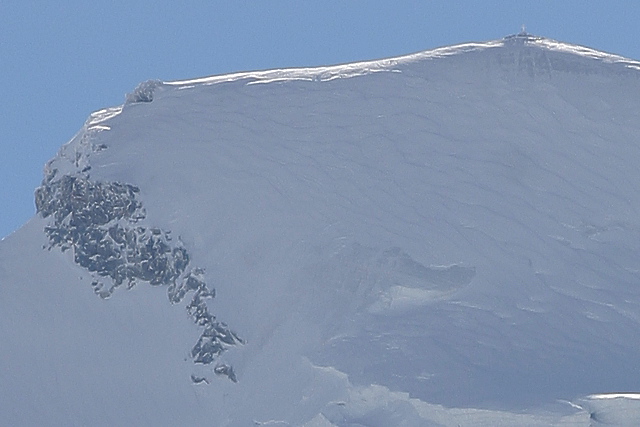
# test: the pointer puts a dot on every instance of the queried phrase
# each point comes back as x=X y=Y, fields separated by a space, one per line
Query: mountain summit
x=449 y=237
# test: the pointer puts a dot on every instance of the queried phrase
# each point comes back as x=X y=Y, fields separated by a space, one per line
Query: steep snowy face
x=458 y=226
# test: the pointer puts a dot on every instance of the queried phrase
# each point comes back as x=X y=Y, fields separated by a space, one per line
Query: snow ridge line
x=331 y=72
x=354 y=69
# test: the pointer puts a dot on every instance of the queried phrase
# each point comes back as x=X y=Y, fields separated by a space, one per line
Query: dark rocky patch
x=102 y=223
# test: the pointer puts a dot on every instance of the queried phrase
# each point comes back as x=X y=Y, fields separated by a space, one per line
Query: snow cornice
x=331 y=72
x=585 y=52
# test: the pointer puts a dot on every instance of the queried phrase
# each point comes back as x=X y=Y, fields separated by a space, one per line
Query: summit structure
x=449 y=237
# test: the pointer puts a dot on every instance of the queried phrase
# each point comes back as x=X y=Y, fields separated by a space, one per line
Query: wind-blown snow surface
x=395 y=243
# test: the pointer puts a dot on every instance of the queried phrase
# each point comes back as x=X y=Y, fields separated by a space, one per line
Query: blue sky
x=59 y=61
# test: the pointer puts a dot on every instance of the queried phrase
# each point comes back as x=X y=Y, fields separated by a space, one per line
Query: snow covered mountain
x=445 y=238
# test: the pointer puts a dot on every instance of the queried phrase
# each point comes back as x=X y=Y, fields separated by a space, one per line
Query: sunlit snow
x=445 y=238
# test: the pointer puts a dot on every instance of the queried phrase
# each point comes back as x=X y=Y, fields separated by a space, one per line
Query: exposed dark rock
x=143 y=92
x=199 y=380
x=101 y=222
x=227 y=370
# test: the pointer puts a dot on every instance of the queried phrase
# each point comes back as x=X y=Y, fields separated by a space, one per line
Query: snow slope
x=445 y=238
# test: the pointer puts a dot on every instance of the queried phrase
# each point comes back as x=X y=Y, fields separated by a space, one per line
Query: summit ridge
x=394 y=64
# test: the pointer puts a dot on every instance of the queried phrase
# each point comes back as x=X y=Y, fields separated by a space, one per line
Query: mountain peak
x=366 y=241
x=521 y=40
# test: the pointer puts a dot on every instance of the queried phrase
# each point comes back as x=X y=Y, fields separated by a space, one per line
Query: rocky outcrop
x=103 y=224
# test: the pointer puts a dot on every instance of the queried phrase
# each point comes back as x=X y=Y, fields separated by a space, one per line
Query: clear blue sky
x=59 y=61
